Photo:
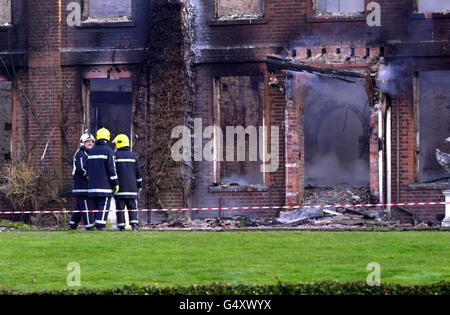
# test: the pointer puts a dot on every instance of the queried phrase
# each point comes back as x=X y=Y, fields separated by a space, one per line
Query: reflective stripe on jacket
x=101 y=170
x=79 y=172
x=129 y=172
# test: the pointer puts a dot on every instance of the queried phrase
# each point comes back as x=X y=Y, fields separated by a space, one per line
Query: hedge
x=318 y=288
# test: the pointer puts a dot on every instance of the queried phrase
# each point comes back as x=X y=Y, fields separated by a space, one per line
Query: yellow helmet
x=121 y=141
x=103 y=134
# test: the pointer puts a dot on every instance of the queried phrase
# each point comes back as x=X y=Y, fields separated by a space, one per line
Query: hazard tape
x=233 y=208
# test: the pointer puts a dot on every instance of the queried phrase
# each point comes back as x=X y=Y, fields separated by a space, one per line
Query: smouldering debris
x=122 y=18
x=240 y=17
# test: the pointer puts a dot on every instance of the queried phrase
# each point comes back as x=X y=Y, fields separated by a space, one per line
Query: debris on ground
x=341 y=216
x=305 y=218
x=323 y=218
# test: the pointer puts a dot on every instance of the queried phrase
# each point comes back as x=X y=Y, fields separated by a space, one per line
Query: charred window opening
x=338 y=6
x=107 y=9
x=336 y=124
x=433 y=5
x=434 y=122
x=232 y=9
x=239 y=102
x=111 y=106
x=5 y=12
x=5 y=120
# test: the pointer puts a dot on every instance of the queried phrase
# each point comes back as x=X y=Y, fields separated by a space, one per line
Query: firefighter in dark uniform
x=130 y=182
x=80 y=184
x=103 y=180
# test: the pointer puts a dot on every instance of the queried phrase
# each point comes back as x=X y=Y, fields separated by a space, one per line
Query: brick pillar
x=295 y=143
x=42 y=87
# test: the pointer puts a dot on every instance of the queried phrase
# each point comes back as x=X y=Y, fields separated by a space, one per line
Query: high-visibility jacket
x=79 y=172
x=102 y=176
x=129 y=172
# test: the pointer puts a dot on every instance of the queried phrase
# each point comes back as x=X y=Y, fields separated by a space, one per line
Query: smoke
x=329 y=170
x=336 y=125
x=244 y=179
x=392 y=79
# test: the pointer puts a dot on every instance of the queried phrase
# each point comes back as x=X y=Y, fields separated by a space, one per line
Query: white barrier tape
x=234 y=208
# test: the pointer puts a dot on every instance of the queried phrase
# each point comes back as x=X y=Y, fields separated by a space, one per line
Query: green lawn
x=38 y=260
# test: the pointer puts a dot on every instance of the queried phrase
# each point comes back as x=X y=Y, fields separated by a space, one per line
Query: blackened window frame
x=107 y=22
x=216 y=187
x=4 y=78
x=418 y=183
x=313 y=17
x=216 y=20
x=8 y=25
x=103 y=72
x=416 y=15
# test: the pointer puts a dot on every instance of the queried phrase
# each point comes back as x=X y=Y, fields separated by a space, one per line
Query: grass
x=32 y=261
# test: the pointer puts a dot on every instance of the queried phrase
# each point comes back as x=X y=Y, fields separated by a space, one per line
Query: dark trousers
x=101 y=205
x=83 y=203
x=132 y=215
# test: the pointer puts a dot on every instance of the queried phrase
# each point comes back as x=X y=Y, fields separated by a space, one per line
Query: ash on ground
x=305 y=218
x=323 y=218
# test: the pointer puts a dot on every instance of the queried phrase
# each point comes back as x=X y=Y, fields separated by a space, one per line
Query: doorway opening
x=111 y=106
x=336 y=126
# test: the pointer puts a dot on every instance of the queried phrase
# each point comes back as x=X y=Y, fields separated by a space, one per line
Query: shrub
x=28 y=187
x=318 y=288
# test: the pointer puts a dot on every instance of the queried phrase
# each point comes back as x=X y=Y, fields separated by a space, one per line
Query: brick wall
x=222 y=48
x=41 y=90
x=94 y=36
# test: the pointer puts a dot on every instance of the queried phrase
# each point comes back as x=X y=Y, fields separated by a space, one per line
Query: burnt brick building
x=334 y=100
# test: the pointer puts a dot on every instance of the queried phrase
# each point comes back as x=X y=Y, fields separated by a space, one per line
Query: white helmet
x=86 y=137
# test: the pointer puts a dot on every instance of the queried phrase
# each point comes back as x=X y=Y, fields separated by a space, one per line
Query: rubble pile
x=323 y=218
x=336 y=216
x=186 y=223
x=337 y=195
x=305 y=218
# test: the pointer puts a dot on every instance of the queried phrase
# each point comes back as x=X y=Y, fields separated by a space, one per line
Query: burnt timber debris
x=278 y=63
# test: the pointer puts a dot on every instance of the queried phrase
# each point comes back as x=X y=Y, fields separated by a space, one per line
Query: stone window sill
x=106 y=24
x=430 y=186
x=6 y=27
x=430 y=15
x=237 y=188
x=336 y=18
x=255 y=21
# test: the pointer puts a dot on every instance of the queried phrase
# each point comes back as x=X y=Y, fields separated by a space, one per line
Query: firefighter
x=130 y=182
x=80 y=183
x=103 y=180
